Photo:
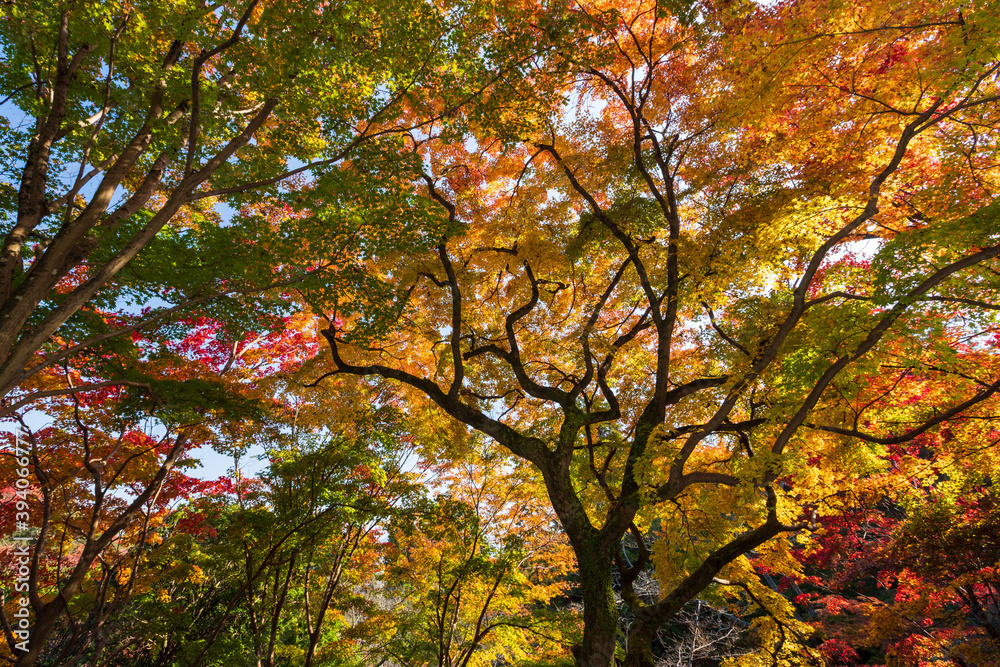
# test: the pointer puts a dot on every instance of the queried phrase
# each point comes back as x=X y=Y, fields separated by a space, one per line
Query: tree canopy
x=635 y=333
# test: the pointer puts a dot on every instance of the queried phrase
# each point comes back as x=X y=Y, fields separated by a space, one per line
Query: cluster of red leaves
x=196 y=524
x=836 y=652
x=909 y=588
x=284 y=347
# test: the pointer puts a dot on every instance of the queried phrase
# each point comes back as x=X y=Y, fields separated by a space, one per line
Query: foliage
x=703 y=293
x=671 y=298
x=473 y=572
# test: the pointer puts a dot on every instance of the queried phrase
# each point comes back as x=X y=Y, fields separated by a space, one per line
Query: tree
x=137 y=127
x=906 y=582
x=903 y=567
x=107 y=472
x=474 y=570
x=193 y=570
x=101 y=487
x=135 y=134
x=647 y=300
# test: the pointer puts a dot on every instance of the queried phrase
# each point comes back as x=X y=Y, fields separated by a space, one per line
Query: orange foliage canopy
x=676 y=295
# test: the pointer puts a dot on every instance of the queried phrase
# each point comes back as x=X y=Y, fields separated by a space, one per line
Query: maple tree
x=473 y=570
x=276 y=557
x=135 y=132
x=905 y=589
x=108 y=473
x=904 y=566
x=664 y=297
x=98 y=494
x=126 y=538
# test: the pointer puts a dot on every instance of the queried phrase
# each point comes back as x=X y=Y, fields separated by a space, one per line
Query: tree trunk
x=600 y=615
x=640 y=645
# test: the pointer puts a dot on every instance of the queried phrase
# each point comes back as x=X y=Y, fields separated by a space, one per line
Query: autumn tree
x=132 y=127
x=108 y=469
x=903 y=566
x=473 y=571
x=665 y=296
x=135 y=134
x=137 y=560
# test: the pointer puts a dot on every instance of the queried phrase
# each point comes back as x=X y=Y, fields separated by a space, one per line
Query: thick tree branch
x=876 y=334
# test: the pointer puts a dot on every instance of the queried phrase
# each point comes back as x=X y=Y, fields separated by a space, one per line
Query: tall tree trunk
x=600 y=615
